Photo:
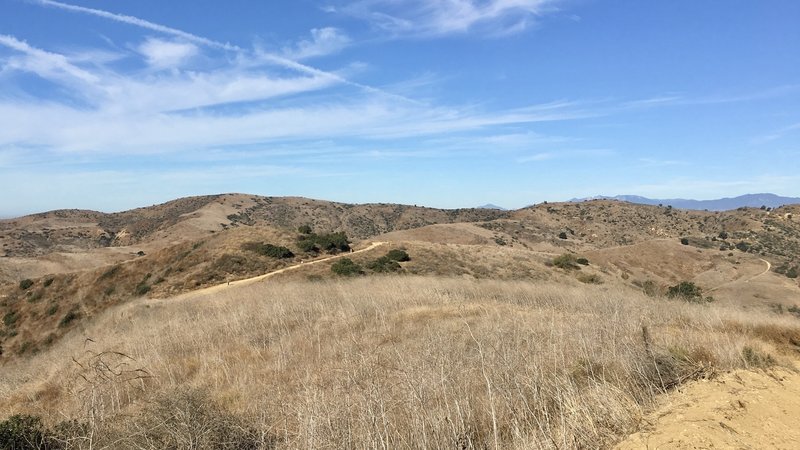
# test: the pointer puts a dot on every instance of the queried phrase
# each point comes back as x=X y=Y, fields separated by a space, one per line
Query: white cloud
x=42 y=63
x=441 y=17
x=163 y=54
x=323 y=41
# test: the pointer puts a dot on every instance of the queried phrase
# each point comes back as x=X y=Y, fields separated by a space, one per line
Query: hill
x=721 y=204
x=86 y=292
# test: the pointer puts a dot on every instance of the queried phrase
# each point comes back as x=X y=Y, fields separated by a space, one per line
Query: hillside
x=721 y=204
x=246 y=273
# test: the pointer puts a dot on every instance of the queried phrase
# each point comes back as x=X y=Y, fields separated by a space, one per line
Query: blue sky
x=111 y=105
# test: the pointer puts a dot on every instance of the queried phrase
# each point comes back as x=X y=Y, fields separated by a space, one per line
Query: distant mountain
x=722 y=204
x=491 y=206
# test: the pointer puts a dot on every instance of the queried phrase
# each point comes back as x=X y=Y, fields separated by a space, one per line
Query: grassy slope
x=386 y=361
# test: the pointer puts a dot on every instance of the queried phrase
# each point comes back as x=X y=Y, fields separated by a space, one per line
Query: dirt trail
x=246 y=281
x=740 y=410
x=769 y=266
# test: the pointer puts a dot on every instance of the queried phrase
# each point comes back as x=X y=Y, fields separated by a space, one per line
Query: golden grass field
x=384 y=362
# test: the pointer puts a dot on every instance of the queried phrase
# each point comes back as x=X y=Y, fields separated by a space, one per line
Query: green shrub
x=792 y=272
x=346 y=267
x=743 y=246
x=268 y=250
x=68 y=318
x=398 y=255
x=305 y=229
x=25 y=284
x=562 y=235
x=686 y=290
x=142 y=289
x=23 y=432
x=684 y=241
x=331 y=242
x=582 y=261
x=52 y=309
x=384 y=265
x=10 y=318
x=48 y=282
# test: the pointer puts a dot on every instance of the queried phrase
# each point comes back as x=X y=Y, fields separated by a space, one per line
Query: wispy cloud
x=167 y=54
x=43 y=63
x=323 y=41
x=443 y=17
x=776 y=134
x=567 y=154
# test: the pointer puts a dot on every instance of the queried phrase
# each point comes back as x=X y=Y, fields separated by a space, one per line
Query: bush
x=398 y=255
x=142 y=289
x=331 y=242
x=68 y=318
x=743 y=246
x=384 y=265
x=10 y=318
x=792 y=272
x=684 y=241
x=268 y=250
x=25 y=284
x=304 y=229
x=562 y=235
x=346 y=267
x=582 y=261
x=48 y=282
x=723 y=235
x=567 y=261
x=686 y=290
x=23 y=432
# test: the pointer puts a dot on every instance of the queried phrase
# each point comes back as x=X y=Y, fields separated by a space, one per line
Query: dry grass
x=388 y=362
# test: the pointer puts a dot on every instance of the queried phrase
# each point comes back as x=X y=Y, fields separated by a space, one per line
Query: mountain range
x=722 y=204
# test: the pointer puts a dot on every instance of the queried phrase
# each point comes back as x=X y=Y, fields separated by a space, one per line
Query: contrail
x=280 y=60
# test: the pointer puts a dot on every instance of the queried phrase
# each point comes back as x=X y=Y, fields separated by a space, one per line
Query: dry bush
x=388 y=362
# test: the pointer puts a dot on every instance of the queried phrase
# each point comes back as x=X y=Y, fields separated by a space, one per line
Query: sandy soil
x=740 y=410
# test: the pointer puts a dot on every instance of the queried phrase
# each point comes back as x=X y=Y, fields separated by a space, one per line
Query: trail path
x=262 y=277
x=769 y=266
x=742 y=410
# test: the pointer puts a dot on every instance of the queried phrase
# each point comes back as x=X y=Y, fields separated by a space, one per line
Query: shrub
x=331 y=242
x=52 y=309
x=384 y=264
x=756 y=358
x=562 y=235
x=684 y=241
x=686 y=290
x=48 y=282
x=567 y=261
x=346 y=267
x=723 y=235
x=743 y=246
x=10 y=318
x=582 y=261
x=274 y=251
x=25 y=284
x=142 y=289
x=23 y=432
x=398 y=255
x=792 y=272
x=304 y=229
x=68 y=318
